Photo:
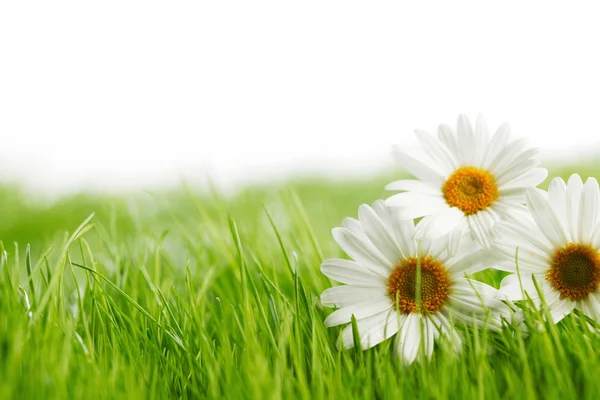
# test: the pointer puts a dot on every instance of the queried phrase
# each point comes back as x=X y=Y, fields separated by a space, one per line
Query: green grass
x=197 y=295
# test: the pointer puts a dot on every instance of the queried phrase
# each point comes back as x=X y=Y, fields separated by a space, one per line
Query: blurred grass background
x=27 y=219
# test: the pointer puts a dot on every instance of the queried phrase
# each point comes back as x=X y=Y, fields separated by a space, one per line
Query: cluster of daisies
x=476 y=197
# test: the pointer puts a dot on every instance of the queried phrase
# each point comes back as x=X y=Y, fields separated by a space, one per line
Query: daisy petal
x=445 y=327
x=482 y=137
x=481 y=224
x=412 y=185
x=380 y=332
x=470 y=287
x=365 y=325
x=506 y=156
x=403 y=230
x=466 y=140
x=496 y=145
x=436 y=150
x=573 y=199
x=415 y=205
x=531 y=178
x=588 y=216
x=439 y=224
x=529 y=259
x=351 y=273
x=557 y=198
x=409 y=339
x=531 y=233
x=378 y=234
x=560 y=309
x=455 y=239
x=470 y=263
x=384 y=214
x=417 y=167
x=516 y=170
x=591 y=306
x=512 y=289
x=446 y=136
x=545 y=218
x=355 y=227
x=429 y=335
x=343 y=296
x=362 y=251
x=360 y=311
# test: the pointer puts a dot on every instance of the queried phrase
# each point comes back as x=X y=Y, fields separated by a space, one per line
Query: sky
x=126 y=94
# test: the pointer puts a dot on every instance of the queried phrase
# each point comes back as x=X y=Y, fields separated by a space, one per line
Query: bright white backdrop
x=121 y=93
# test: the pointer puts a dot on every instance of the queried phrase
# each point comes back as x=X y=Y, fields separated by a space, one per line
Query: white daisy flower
x=558 y=242
x=465 y=180
x=380 y=285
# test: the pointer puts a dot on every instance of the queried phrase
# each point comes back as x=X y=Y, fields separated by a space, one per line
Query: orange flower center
x=435 y=286
x=575 y=271
x=470 y=189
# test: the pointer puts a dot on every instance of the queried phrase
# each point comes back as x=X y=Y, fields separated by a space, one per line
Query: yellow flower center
x=575 y=271
x=435 y=286
x=470 y=189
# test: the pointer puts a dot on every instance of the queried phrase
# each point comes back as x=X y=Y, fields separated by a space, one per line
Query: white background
x=132 y=94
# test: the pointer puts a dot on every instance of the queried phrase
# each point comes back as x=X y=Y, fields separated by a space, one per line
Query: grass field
x=194 y=295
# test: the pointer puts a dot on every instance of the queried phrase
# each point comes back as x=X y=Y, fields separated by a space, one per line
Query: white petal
x=445 y=328
x=560 y=309
x=513 y=196
x=378 y=234
x=531 y=178
x=591 y=306
x=529 y=260
x=380 y=332
x=417 y=167
x=355 y=227
x=403 y=230
x=588 y=214
x=455 y=239
x=482 y=138
x=573 y=199
x=465 y=140
x=409 y=339
x=528 y=231
x=506 y=156
x=366 y=326
x=414 y=205
x=439 y=224
x=360 y=311
x=362 y=251
x=481 y=225
x=527 y=254
x=446 y=136
x=545 y=218
x=596 y=236
x=512 y=210
x=430 y=333
x=496 y=145
x=436 y=150
x=384 y=214
x=517 y=170
x=447 y=246
x=511 y=288
x=351 y=273
x=412 y=185
x=428 y=246
x=343 y=296
x=557 y=198
x=474 y=304
x=471 y=287
x=470 y=263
